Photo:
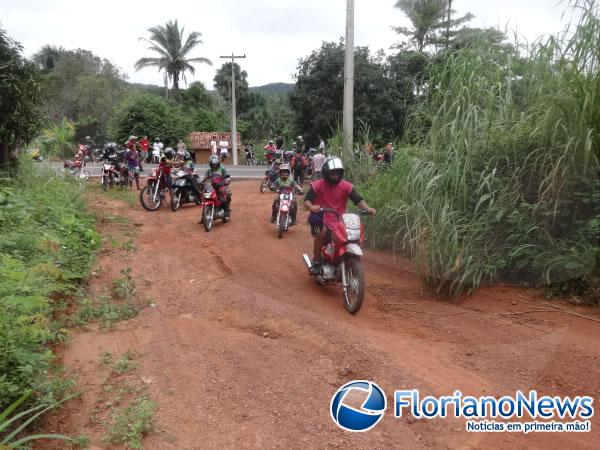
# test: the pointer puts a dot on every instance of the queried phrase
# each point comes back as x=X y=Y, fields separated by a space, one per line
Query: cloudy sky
x=273 y=34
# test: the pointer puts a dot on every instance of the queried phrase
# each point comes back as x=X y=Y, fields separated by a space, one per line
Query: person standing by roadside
x=133 y=159
x=321 y=144
x=279 y=143
x=213 y=145
x=317 y=163
x=144 y=144
x=224 y=149
x=388 y=154
x=300 y=144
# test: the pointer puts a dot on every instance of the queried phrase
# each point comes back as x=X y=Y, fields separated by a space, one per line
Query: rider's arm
x=297 y=187
x=360 y=202
x=309 y=198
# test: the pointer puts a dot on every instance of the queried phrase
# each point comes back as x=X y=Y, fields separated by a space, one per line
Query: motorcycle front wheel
x=355 y=293
x=176 y=199
x=207 y=217
x=282 y=224
x=264 y=185
x=83 y=175
x=147 y=198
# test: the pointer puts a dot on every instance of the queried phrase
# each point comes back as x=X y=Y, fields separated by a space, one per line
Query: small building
x=200 y=140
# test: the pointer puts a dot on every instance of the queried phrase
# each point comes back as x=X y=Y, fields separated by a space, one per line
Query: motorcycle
x=283 y=220
x=76 y=168
x=113 y=175
x=183 y=190
x=270 y=177
x=154 y=193
x=341 y=259
x=212 y=207
x=250 y=156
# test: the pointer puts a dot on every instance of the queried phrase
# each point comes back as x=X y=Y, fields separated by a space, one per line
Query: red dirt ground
x=243 y=350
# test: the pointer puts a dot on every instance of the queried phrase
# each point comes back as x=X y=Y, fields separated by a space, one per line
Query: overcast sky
x=273 y=34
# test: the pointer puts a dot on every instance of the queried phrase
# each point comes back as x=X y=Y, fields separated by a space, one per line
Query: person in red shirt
x=164 y=168
x=332 y=191
x=144 y=144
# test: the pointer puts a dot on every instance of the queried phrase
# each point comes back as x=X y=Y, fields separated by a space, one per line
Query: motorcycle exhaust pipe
x=307 y=261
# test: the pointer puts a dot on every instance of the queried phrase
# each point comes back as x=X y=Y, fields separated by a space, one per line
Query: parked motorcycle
x=154 y=193
x=212 y=206
x=76 y=167
x=112 y=173
x=250 y=156
x=183 y=190
x=341 y=259
x=270 y=177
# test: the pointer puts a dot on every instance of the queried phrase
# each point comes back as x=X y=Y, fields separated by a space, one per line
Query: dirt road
x=243 y=350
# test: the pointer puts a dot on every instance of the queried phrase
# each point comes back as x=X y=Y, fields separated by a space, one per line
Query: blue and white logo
x=371 y=411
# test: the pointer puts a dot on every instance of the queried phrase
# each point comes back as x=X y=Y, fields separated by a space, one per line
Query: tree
x=19 y=95
x=428 y=18
x=382 y=92
x=222 y=83
x=84 y=88
x=47 y=57
x=167 y=41
x=148 y=114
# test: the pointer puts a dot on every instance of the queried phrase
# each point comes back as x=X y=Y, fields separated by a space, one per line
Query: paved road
x=95 y=169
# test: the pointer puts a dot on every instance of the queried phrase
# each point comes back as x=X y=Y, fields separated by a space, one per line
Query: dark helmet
x=169 y=153
x=214 y=162
x=332 y=164
x=187 y=156
x=278 y=153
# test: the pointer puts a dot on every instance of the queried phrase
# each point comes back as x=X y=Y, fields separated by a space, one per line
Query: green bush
x=503 y=182
x=46 y=246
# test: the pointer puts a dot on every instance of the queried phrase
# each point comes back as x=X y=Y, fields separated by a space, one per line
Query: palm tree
x=167 y=41
x=47 y=56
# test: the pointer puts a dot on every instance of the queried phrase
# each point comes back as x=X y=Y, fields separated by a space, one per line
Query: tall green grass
x=499 y=174
x=46 y=246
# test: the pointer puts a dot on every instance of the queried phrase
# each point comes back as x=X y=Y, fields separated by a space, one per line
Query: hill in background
x=273 y=88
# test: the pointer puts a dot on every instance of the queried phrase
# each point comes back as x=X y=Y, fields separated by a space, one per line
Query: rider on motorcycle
x=332 y=191
x=164 y=168
x=188 y=168
x=217 y=172
x=273 y=170
x=281 y=185
x=270 y=150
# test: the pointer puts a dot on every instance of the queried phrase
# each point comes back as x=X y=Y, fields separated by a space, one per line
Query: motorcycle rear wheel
x=355 y=294
x=176 y=199
x=147 y=198
x=207 y=217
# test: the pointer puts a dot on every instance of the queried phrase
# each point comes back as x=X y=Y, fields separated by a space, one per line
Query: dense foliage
x=502 y=179
x=19 y=94
x=46 y=245
x=382 y=91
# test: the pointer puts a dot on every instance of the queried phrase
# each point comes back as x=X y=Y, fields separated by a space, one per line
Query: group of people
x=219 y=149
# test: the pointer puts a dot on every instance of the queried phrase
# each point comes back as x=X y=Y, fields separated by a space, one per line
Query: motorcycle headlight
x=207 y=195
x=353 y=234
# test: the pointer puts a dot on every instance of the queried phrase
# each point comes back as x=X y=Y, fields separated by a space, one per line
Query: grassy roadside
x=48 y=244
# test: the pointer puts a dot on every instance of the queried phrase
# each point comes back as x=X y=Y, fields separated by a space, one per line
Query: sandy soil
x=243 y=350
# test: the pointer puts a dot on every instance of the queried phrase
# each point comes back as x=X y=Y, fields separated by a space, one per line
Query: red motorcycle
x=76 y=168
x=213 y=205
x=154 y=193
x=341 y=259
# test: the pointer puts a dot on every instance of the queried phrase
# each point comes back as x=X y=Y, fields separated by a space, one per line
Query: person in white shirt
x=213 y=144
x=317 y=163
x=321 y=145
x=224 y=146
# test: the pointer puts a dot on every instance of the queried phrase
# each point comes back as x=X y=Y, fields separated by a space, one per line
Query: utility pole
x=233 y=127
x=348 y=119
